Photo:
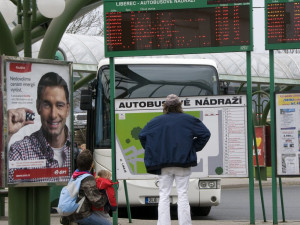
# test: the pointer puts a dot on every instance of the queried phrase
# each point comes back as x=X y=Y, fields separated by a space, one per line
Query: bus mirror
x=226 y=89
x=230 y=90
x=86 y=100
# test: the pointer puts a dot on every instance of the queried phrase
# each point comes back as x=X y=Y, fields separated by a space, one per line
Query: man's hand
x=17 y=120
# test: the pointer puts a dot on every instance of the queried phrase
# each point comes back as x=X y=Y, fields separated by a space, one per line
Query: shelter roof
x=89 y=50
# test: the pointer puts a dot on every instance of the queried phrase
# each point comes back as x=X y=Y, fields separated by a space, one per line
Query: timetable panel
x=226 y=1
x=182 y=28
x=283 y=25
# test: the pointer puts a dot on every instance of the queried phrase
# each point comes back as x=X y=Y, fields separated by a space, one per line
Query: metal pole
x=127 y=201
x=7 y=45
x=42 y=205
x=273 y=153
x=17 y=205
x=23 y=215
x=36 y=199
x=30 y=206
x=27 y=28
x=112 y=124
x=250 y=138
x=259 y=176
x=84 y=81
x=281 y=199
x=259 y=105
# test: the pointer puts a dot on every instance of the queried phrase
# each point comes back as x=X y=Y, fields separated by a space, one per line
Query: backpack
x=67 y=204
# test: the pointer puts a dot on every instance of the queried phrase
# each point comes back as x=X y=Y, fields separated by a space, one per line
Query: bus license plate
x=151 y=200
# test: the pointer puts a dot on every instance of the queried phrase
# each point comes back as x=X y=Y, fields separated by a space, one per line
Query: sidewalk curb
x=227 y=183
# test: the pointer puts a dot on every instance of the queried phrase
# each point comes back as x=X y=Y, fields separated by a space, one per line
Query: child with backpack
x=105 y=186
x=88 y=195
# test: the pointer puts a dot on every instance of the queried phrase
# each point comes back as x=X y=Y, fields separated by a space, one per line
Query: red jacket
x=106 y=186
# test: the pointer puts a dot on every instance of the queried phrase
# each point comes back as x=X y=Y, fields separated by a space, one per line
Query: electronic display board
x=282 y=24
x=209 y=2
x=157 y=27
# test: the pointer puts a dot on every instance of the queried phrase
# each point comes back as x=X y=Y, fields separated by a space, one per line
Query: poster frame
x=69 y=67
x=277 y=135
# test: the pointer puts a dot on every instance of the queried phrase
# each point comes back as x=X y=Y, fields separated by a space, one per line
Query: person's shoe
x=53 y=210
x=64 y=220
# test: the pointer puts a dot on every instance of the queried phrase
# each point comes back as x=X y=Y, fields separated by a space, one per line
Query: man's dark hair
x=172 y=104
x=52 y=79
x=172 y=108
x=84 y=160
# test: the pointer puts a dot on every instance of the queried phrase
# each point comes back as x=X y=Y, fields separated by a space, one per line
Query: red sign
x=20 y=67
x=41 y=173
x=261 y=146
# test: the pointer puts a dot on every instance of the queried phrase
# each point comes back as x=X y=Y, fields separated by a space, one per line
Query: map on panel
x=225 y=155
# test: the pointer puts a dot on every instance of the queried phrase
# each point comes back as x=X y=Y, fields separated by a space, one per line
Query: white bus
x=151 y=77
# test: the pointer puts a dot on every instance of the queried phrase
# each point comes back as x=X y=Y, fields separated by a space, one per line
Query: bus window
x=150 y=81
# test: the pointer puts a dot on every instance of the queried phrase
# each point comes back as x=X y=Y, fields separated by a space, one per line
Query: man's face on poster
x=53 y=109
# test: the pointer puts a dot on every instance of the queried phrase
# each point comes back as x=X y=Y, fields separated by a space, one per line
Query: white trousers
x=165 y=185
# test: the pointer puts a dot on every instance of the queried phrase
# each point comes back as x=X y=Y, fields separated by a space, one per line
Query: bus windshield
x=150 y=81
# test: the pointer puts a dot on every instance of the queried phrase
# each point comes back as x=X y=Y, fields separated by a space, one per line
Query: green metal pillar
x=127 y=201
x=83 y=81
x=281 y=200
x=17 y=205
x=17 y=198
x=27 y=27
x=29 y=205
x=7 y=45
x=112 y=122
x=250 y=139
x=273 y=150
x=37 y=31
x=42 y=205
x=259 y=176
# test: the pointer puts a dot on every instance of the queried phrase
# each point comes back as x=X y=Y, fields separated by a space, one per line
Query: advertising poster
x=225 y=155
x=288 y=133
x=261 y=146
x=38 y=109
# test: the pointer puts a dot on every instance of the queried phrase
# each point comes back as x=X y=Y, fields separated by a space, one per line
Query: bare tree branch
x=91 y=23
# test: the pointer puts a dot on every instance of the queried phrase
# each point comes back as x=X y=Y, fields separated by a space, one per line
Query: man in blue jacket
x=171 y=141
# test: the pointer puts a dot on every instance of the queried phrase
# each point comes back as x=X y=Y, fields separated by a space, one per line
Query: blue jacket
x=172 y=140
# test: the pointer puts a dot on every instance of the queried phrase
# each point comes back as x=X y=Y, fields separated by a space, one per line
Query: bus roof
x=159 y=60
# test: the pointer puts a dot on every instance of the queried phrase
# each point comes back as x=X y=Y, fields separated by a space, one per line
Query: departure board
x=282 y=24
x=209 y=2
x=177 y=27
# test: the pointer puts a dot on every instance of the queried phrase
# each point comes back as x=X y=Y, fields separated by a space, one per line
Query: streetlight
x=26 y=9
x=51 y=9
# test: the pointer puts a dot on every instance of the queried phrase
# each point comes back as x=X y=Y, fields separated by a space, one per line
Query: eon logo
x=60 y=172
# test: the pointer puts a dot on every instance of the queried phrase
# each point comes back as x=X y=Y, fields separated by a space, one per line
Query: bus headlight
x=209 y=184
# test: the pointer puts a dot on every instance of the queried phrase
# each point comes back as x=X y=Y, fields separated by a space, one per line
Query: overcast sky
x=258 y=26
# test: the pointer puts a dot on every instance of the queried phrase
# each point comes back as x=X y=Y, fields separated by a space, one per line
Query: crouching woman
x=89 y=190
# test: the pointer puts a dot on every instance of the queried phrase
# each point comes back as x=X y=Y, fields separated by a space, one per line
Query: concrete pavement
x=226 y=183
x=123 y=221
x=244 y=182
